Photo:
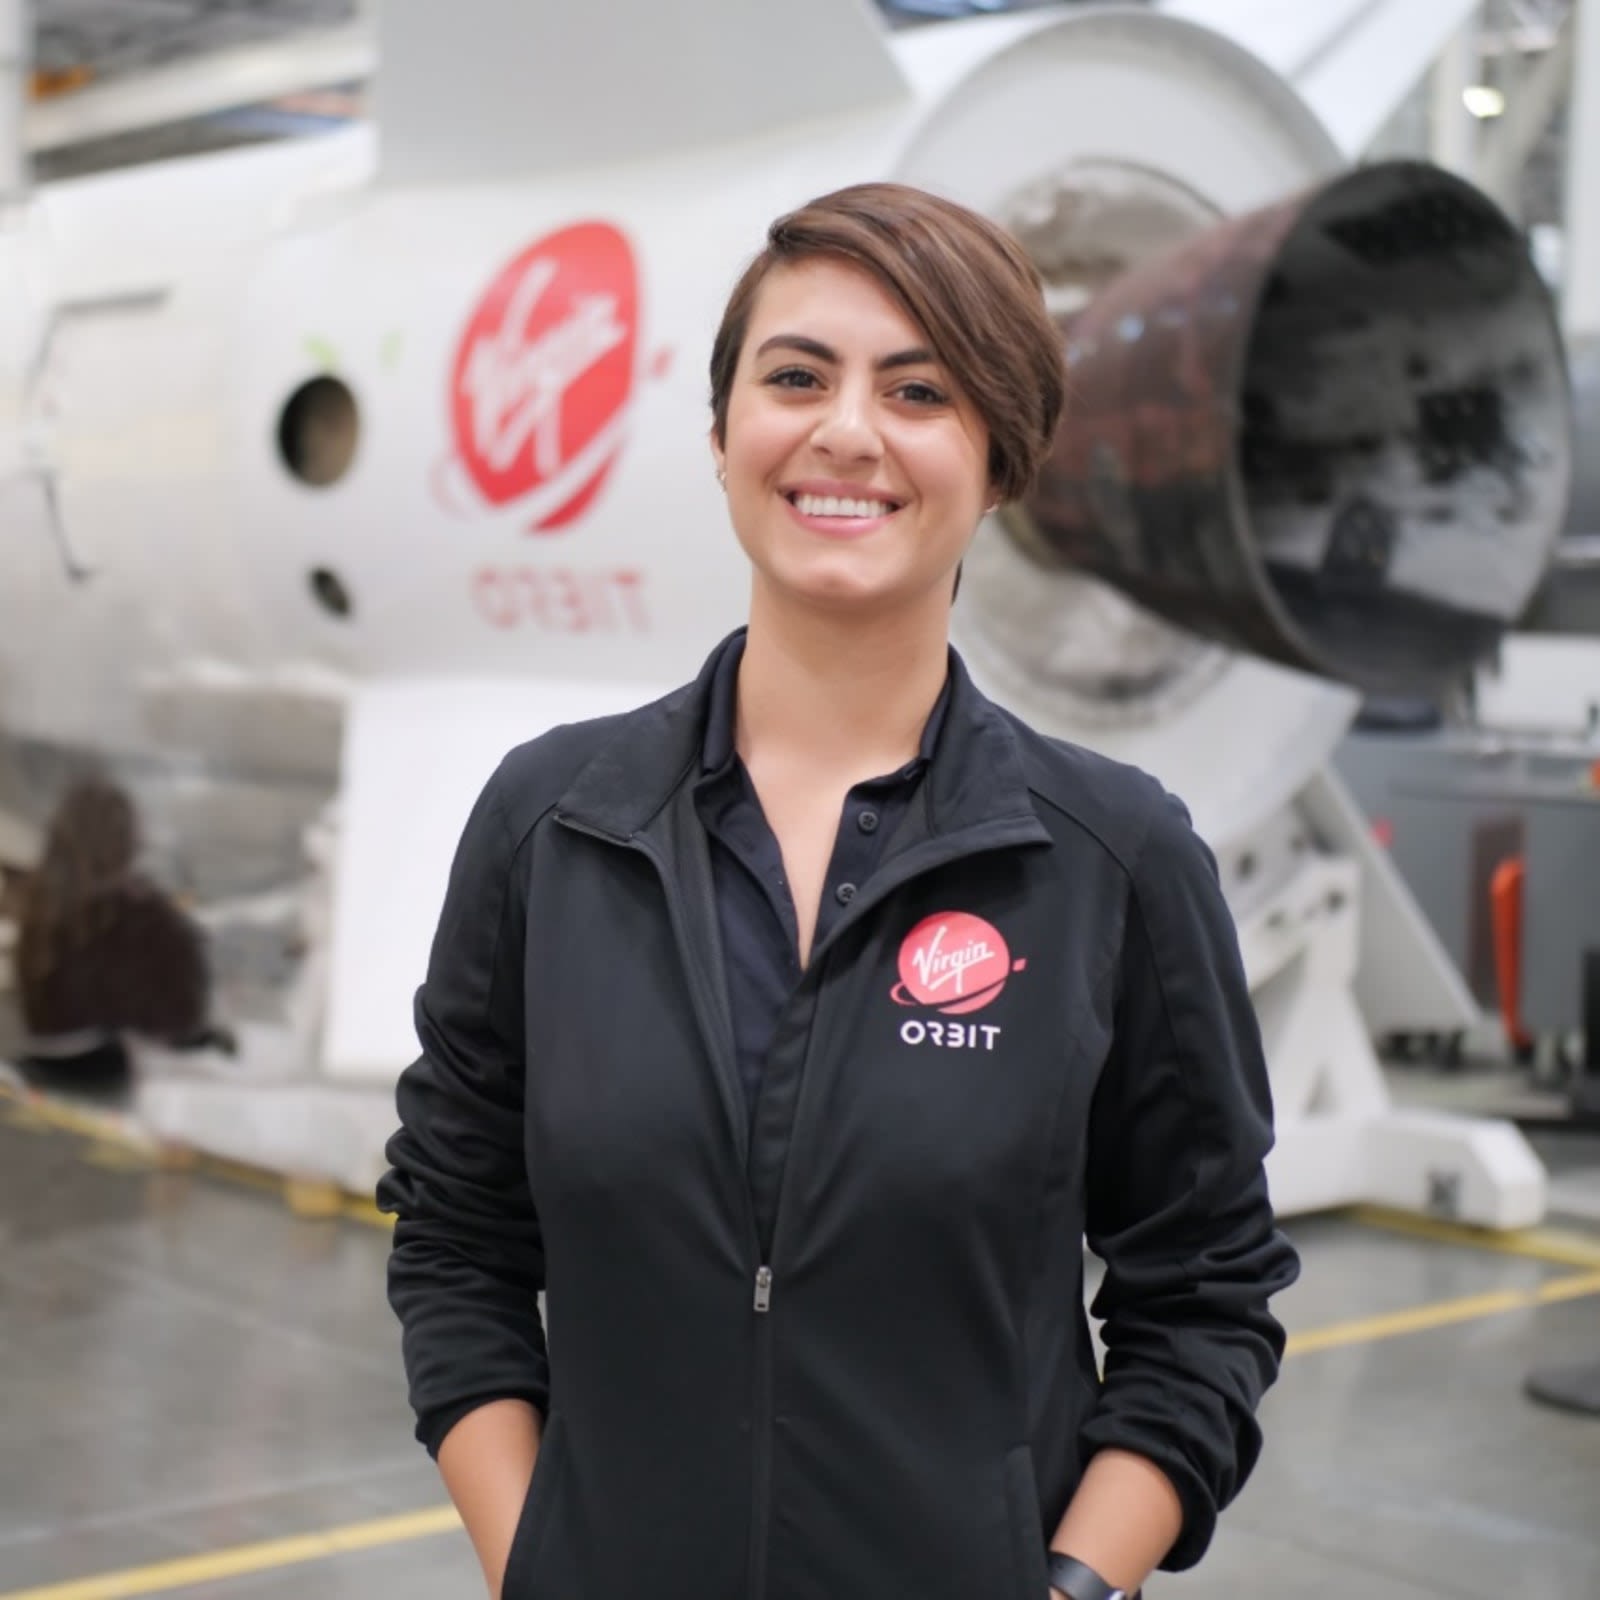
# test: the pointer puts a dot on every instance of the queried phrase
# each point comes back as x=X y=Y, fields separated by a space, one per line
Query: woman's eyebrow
x=917 y=357
x=799 y=342
x=815 y=347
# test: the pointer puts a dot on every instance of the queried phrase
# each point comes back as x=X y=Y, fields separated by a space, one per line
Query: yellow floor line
x=168 y=1576
x=235 y=1172
x=112 y=1144
x=1576 y=1288
x=1566 y=1248
x=359 y=1210
x=1444 y=1314
x=34 y=1111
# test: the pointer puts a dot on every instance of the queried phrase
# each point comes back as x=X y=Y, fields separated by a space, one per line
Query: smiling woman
x=702 y=1056
x=886 y=369
x=855 y=465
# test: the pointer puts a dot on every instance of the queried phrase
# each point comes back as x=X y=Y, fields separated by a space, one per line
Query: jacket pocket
x=528 y=1539
x=1028 y=1538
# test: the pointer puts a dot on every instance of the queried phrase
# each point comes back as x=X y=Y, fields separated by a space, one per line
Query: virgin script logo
x=953 y=963
x=544 y=374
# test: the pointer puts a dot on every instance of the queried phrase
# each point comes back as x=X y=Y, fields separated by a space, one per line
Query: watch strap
x=1080 y=1582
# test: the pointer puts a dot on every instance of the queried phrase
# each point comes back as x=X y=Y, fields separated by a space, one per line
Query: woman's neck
x=840 y=695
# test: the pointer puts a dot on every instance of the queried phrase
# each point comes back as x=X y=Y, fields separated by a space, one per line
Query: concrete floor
x=190 y=1376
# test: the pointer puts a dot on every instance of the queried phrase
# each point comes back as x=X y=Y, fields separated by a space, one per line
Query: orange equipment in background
x=1505 y=901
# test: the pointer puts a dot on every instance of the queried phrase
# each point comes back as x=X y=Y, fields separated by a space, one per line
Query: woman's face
x=856 y=473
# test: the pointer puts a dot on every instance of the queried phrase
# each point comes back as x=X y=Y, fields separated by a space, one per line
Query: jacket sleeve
x=467 y=1263
x=1177 y=1200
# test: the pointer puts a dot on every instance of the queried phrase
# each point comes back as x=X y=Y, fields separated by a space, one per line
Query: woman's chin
x=845 y=594
x=842 y=581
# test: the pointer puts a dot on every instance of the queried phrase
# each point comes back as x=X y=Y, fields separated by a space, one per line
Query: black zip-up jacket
x=842 y=1356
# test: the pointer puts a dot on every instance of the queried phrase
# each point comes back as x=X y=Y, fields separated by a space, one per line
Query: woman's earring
x=722 y=477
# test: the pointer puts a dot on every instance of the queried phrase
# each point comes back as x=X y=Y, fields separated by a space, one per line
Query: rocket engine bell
x=1334 y=432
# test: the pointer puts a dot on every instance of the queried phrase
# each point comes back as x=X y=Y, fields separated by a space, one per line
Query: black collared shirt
x=755 y=910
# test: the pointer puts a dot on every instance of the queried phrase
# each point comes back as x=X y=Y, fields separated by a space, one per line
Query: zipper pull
x=764 y=1289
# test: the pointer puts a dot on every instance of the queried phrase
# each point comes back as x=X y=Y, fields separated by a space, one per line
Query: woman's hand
x=1124 y=1518
x=487 y=1461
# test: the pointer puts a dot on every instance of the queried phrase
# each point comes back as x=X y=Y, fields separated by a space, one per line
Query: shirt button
x=845 y=893
x=867 y=822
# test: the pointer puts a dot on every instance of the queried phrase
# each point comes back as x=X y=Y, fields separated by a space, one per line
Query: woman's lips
x=830 y=515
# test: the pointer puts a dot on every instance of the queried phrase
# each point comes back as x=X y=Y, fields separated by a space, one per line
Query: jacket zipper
x=761 y=1419
x=761 y=1438
x=764 y=1435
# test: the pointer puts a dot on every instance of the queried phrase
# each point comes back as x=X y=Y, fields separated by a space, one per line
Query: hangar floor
x=200 y=1395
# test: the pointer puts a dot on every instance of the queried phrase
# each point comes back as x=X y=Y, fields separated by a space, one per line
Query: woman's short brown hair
x=965 y=282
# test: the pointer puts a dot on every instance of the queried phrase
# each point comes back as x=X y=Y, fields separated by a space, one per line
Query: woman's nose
x=847 y=428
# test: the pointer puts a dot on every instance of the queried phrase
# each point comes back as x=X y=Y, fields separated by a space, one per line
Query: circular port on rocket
x=318 y=431
x=1334 y=433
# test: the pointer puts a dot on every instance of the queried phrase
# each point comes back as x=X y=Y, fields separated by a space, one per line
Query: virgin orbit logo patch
x=953 y=963
x=544 y=374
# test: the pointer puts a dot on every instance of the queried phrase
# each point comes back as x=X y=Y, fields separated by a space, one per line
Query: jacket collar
x=975 y=777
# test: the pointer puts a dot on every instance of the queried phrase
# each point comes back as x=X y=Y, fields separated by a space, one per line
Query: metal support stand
x=1586 y=1085
x=1577 y=1389
x=1567 y=1388
x=1578 y=1077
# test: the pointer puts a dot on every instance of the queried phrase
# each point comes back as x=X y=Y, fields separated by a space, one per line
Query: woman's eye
x=922 y=394
x=791 y=378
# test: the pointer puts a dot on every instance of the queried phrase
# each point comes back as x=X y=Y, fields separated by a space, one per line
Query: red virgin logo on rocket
x=544 y=373
x=954 y=963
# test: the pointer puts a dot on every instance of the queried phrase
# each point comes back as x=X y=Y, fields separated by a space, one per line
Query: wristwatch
x=1079 y=1582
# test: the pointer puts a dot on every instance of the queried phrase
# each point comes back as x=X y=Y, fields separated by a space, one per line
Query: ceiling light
x=1483 y=100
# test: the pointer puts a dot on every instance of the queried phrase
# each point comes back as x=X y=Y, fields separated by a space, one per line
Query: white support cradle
x=1341 y=1139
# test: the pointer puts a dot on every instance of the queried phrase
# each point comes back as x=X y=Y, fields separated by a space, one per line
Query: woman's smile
x=840 y=510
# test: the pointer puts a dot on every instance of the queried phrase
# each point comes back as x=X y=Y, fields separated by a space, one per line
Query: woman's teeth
x=827 y=505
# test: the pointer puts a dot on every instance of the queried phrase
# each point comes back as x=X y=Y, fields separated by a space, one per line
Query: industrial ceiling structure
x=118 y=82
x=109 y=39
x=122 y=82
